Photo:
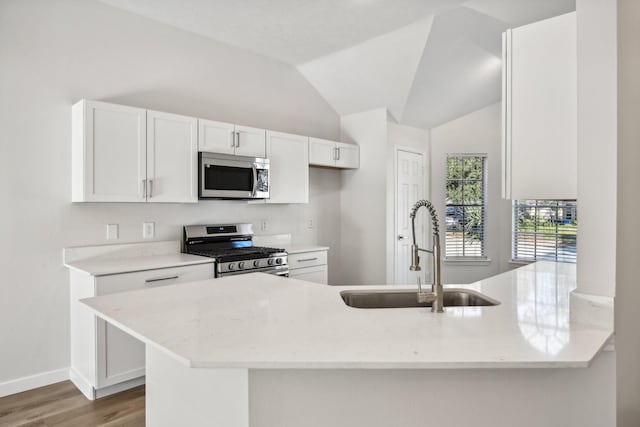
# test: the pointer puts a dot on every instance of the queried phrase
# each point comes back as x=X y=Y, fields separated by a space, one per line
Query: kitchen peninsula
x=258 y=350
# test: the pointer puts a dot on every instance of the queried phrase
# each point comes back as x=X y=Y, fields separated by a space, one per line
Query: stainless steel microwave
x=223 y=176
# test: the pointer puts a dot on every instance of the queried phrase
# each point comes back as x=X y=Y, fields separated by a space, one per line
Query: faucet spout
x=437 y=293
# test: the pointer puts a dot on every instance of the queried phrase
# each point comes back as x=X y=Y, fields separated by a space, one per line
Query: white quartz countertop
x=299 y=249
x=101 y=266
x=262 y=321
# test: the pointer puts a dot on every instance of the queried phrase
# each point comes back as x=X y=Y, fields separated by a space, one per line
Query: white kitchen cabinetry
x=289 y=167
x=127 y=154
x=172 y=158
x=323 y=152
x=227 y=138
x=540 y=110
x=311 y=266
x=109 y=160
x=104 y=359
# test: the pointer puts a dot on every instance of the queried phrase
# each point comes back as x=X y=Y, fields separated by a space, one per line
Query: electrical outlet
x=309 y=223
x=112 y=232
x=148 y=230
x=264 y=225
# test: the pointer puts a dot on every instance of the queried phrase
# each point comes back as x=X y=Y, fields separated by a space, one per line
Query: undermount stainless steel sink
x=409 y=298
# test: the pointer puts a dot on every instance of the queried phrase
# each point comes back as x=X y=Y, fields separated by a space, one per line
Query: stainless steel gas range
x=231 y=245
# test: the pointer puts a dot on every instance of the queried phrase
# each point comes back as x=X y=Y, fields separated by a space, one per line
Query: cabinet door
x=120 y=356
x=250 y=141
x=348 y=156
x=216 y=137
x=540 y=135
x=322 y=152
x=109 y=146
x=311 y=274
x=289 y=168
x=172 y=158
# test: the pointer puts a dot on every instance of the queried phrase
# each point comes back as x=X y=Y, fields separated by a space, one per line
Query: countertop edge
x=304 y=249
x=134 y=268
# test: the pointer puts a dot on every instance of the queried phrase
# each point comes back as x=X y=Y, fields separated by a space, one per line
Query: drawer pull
x=160 y=279
x=307 y=259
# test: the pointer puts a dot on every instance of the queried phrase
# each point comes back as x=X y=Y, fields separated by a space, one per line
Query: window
x=465 y=211
x=544 y=230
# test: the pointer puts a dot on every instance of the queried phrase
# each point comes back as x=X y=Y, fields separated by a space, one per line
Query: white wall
x=478 y=132
x=628 y=202
x=364 y=201
x=54 y=53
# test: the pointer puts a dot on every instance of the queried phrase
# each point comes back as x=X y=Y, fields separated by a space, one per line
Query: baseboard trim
x=33 y=381
x=81 y=384
x=117 y=388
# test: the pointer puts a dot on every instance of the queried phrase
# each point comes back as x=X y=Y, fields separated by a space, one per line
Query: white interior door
x=410 y=188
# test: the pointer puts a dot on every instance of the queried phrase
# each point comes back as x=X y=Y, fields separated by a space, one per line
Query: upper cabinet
x=127 y=154
x=540 y=110
x=172 y=158
x=323 y=152
x=227 y=138
x=289 y=167
x=109 y=160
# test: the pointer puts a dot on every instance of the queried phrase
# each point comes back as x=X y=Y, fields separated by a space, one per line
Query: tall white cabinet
x=128 y=154
x=540 y=110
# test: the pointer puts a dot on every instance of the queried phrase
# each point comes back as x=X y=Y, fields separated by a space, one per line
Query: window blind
x=465 y=206
x=544 y=230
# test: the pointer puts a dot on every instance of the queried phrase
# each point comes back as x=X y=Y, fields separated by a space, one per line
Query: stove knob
x=241 y=265
x=279 y=261
x=270 y=261
x=231 y=266
x=256 y=263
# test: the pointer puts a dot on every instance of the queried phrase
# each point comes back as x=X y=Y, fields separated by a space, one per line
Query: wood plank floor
x=62 y=404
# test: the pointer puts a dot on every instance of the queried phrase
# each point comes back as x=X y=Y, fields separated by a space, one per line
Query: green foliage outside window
x=465 y=198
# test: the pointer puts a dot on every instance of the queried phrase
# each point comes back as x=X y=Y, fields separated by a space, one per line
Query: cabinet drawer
x=150 y=278
x=317 y=274
x=307 y=259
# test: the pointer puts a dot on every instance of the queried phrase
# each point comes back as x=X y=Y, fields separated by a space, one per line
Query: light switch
x=112 y=231
x=148 y=230
x=264 y=225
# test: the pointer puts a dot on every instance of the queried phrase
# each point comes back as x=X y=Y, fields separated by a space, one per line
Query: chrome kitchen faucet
x=436 y=296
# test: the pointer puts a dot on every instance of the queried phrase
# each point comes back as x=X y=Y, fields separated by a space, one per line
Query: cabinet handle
x=338 y=150
x=150 y=188
x=238 y=140
x=335 y=153
x=233 y=139
x=160 y=279
x=144 y=188
x=307 y=259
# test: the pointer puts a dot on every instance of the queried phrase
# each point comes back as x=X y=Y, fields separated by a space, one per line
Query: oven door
x=232 y=177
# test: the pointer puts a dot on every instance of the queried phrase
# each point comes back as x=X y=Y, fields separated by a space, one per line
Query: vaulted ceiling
x=427 y=61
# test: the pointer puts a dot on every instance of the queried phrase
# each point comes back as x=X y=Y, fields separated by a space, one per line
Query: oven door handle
x=254 y=168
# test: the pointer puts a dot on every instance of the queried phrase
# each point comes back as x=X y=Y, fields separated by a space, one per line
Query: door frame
x=392 y=254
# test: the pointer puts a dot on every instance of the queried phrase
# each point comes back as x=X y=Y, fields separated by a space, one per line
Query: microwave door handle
x=255 y=180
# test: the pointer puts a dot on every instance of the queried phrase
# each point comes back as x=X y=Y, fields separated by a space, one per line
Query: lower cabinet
x=104 y=358
x=310 y=266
